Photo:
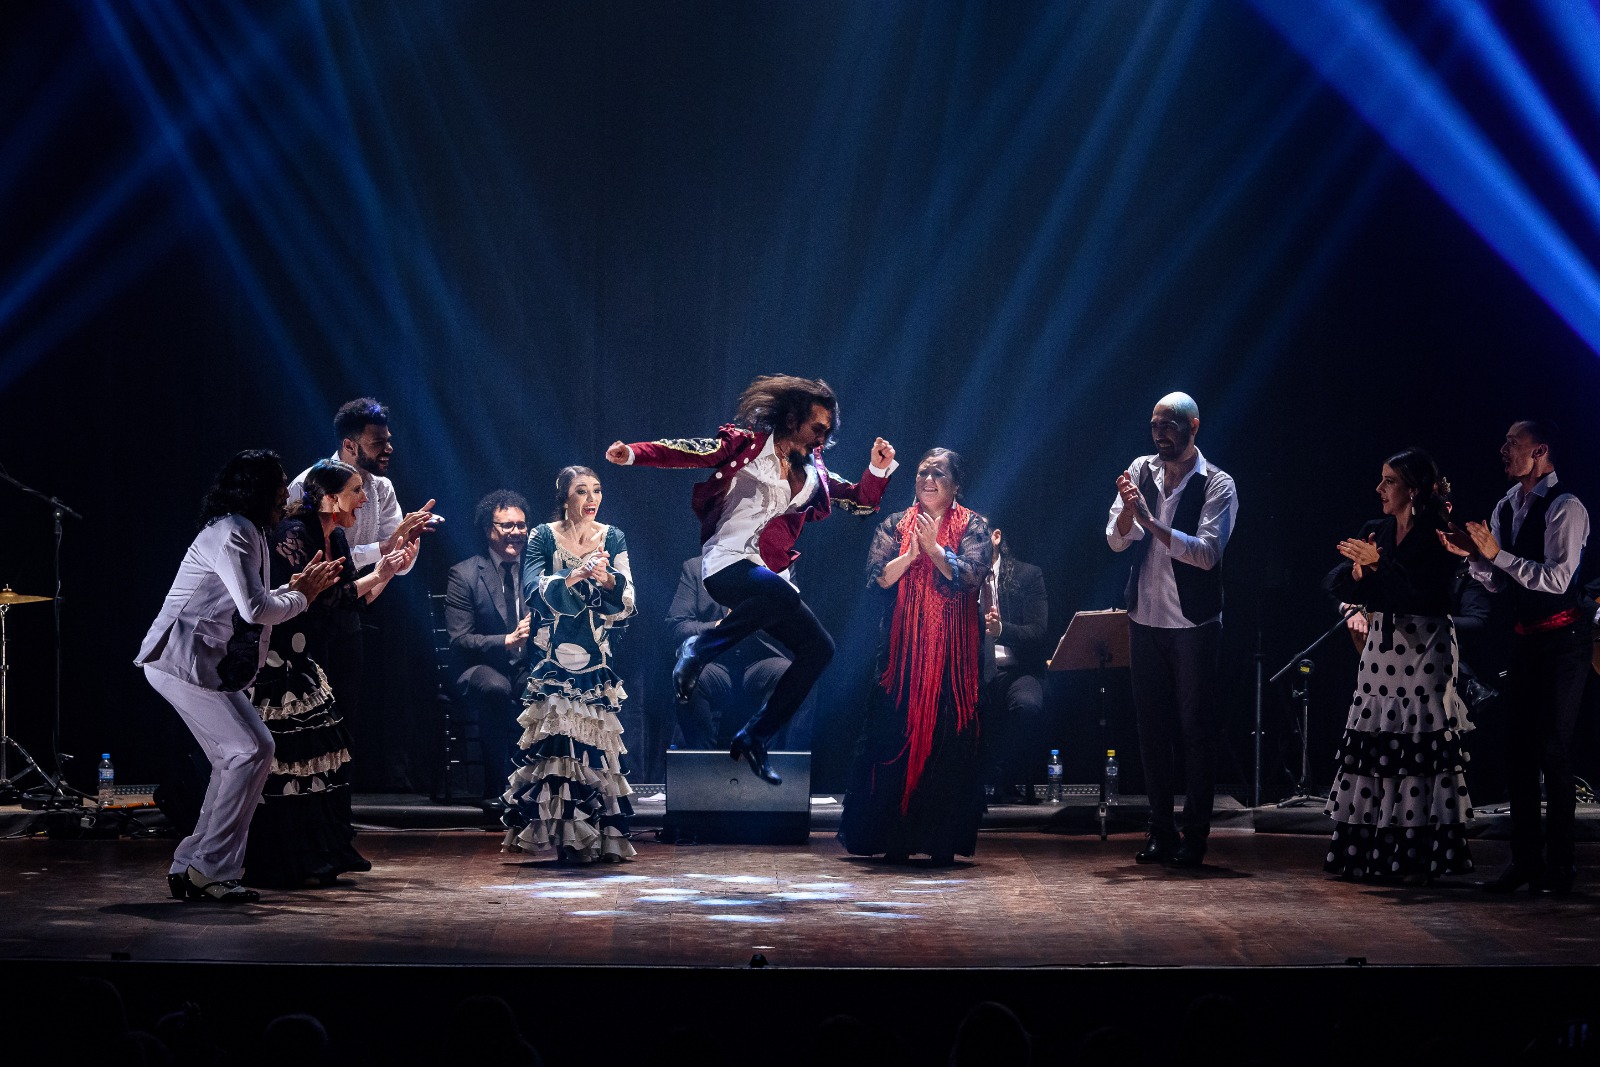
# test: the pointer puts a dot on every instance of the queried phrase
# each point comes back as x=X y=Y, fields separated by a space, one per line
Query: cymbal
x=8 y=598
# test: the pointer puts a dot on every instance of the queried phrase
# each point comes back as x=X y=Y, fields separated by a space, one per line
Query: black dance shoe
x=1558 y=880
x=1192 y=853
x=1514 y=878
x=1157 y=849
x=686 y=671
x=178 y=885
x=197 y=886
x=754 y=752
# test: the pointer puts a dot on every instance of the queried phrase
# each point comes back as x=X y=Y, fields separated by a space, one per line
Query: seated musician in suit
x=487 y=619
x=1016 y=615
x=733 y=687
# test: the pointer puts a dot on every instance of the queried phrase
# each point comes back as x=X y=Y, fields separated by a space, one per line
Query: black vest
x=1529 y=607
x=1199 y=591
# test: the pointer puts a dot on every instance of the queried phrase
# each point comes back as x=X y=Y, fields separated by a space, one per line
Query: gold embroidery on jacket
x=694 y=446
x=849 y=507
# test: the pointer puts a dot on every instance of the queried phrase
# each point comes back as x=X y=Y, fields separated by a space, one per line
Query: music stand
x=1097 y=641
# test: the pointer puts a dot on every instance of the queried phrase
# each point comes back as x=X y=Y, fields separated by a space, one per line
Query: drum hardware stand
x=59 y=795
x=10 y=788
x=1303 y=666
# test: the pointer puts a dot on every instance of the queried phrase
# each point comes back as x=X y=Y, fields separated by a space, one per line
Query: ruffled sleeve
x=617 y=603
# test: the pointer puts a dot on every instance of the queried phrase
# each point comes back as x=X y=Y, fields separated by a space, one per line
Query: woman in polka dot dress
x=301 y=835
x=1399 y=799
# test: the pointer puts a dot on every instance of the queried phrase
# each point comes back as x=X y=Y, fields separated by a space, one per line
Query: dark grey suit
x=489 y=687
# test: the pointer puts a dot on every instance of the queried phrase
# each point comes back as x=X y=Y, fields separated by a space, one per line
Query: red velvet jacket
x=734 y=447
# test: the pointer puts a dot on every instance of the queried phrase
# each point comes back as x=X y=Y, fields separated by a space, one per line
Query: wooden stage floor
x=1030 y=899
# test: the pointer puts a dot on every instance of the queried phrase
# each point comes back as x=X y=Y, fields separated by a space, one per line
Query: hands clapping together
x=318 y=575
x=1133 y=501
x=413 y=526
x=1475 y=542
x=597 y=569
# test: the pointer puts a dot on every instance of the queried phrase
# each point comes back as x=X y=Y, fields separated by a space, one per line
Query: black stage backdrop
x=531 y=229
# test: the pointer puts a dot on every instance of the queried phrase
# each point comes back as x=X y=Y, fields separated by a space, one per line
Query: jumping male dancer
x=769 y=481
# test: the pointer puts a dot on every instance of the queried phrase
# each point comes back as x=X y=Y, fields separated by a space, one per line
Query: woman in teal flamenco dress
x=569 y=791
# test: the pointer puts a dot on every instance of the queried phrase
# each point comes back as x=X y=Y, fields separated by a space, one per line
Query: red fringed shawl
x=934 y=639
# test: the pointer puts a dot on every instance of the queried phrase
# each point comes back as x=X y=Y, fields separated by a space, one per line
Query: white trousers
x=239 y=747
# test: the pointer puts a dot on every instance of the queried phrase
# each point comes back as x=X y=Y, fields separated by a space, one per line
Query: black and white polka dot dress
x=1399 y=798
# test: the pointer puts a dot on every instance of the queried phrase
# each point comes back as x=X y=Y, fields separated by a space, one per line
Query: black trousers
x=757 y=599
x=728 y=692
x=1174 y=674
x=1011 y=711
x=492 y=702
x=1542 y=697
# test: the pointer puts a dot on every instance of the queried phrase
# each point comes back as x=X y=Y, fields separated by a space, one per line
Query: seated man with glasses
x=486 y=616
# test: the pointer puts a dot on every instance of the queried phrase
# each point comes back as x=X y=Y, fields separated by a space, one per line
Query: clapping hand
x=991 y=622
x=392 y=563
x=1456 y=541
x=927 y=534
x=318 y=575
x=1362 y=553
x=1482 y=540
x=413 y=526
x=597 y=568
x=1132 y=498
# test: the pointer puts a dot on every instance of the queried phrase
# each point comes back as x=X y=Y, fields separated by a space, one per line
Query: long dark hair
x=327 y=477
x=775 y=403
x=1419 y=472
x=564 y=480
x=247 y=485
x=1008 y=562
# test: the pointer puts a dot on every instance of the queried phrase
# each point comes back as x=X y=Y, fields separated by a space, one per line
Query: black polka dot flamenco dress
x=1399 y=799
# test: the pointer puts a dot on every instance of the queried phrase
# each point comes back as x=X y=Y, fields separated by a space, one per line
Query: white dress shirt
x=989 y=600
x=759 y=493
x=376 y=521
x=1158 y=590
x=1566 y=528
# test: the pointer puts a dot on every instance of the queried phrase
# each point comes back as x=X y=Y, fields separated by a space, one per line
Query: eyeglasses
x=510 y=527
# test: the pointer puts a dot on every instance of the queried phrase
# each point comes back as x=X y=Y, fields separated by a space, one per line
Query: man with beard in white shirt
x=366 y=443
x=1176 y=512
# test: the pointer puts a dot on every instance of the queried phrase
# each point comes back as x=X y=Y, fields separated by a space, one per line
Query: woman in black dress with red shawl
x=915 y=785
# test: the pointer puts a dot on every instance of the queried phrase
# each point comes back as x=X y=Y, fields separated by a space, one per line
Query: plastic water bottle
x=1052 y=773
x=108 y=781
x=1112 y=782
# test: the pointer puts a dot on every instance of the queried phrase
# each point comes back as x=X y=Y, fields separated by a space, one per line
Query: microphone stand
x=60 y=795
x=1302 y=665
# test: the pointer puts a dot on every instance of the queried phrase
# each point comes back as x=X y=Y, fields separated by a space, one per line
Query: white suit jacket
x=225 y=570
